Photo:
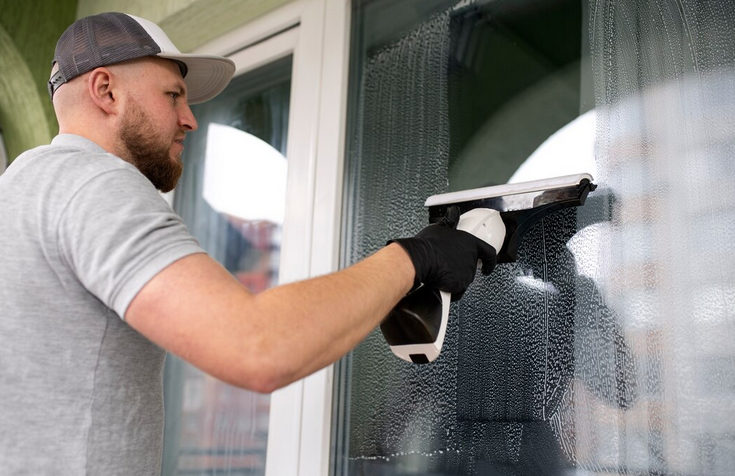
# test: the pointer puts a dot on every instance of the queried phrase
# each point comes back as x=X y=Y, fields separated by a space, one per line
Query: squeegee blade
x=516 y=196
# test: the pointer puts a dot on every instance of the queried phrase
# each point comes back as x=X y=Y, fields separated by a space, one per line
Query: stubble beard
x=149 y=152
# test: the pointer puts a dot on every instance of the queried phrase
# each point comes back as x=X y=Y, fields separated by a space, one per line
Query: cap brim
x=207 y=76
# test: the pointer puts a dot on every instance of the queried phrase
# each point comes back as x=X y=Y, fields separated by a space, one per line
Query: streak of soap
x=546 y=319
x=664 y=76
x=402 y=147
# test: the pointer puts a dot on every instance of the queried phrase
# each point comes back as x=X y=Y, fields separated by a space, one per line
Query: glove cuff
x=410 y=245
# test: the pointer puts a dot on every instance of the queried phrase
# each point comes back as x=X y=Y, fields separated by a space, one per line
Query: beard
x=149 y=152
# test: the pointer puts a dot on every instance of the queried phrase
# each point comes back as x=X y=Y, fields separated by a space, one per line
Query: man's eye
x=174 y=95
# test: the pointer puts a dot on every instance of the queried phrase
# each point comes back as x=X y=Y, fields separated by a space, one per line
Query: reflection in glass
x=607 y=347
x=570 y=150
x=244 y=177
x=232 y=197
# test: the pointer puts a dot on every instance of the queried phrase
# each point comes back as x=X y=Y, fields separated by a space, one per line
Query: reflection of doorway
x=514 y=80
x=570 y=150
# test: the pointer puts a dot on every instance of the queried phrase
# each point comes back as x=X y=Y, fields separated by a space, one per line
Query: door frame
x=316 y=33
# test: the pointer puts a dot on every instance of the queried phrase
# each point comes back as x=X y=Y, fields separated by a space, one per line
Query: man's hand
x=446 y=258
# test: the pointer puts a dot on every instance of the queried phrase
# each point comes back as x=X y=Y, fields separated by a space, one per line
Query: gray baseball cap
x=109 y=38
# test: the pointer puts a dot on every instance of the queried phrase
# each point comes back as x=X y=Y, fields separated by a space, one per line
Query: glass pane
x=232 y=197
x=606 y=348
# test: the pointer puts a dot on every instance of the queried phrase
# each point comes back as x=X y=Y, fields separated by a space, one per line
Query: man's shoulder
x=73 y=162
x=73 y=154
x=50 y=176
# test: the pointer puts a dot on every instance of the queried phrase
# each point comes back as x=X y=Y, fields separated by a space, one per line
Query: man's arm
x=195 y=309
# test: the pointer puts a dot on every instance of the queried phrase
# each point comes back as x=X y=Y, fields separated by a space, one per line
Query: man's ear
x=100 y=84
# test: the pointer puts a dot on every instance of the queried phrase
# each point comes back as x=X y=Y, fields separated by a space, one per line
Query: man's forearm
x=313 y=323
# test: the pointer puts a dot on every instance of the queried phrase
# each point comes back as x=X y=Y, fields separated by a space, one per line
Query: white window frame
x=316 y=33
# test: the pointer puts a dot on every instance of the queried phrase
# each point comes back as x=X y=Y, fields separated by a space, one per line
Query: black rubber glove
x=446 y=258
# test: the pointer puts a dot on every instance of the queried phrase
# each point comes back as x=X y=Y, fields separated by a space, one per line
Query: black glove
x=446 y=258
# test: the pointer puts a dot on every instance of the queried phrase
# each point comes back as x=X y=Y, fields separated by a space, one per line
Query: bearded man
x=99 y=277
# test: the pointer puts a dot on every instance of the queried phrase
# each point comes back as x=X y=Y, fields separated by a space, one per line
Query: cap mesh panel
x=101 y=40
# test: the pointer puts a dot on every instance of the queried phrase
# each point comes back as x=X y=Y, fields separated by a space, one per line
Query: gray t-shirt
x=81 y=232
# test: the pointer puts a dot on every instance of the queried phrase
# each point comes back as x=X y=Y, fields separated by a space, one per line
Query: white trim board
x=326 y=220
x=258 y=30
x=267 y=51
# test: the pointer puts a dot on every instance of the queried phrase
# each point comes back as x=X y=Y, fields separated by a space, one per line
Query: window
x=588 y=354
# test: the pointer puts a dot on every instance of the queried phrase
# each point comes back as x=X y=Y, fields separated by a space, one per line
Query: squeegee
x=498 y=215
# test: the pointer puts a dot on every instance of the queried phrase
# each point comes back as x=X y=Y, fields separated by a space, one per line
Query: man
x=98 y=277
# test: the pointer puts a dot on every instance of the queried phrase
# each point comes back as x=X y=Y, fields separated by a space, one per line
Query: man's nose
x=187 y=120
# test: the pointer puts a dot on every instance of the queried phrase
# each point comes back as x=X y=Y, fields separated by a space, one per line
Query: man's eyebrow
x=180 y=88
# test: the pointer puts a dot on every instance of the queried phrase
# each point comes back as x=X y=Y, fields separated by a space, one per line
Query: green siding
x=28 y=34
x=21 y=107
x=189 y=23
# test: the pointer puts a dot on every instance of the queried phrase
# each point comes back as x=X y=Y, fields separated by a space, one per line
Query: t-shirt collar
x=78 y=142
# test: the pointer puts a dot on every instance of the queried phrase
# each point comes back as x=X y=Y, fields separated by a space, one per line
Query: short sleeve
x=117 y=232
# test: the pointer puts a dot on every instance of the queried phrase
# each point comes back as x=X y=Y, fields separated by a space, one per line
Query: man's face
x=152 y=129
